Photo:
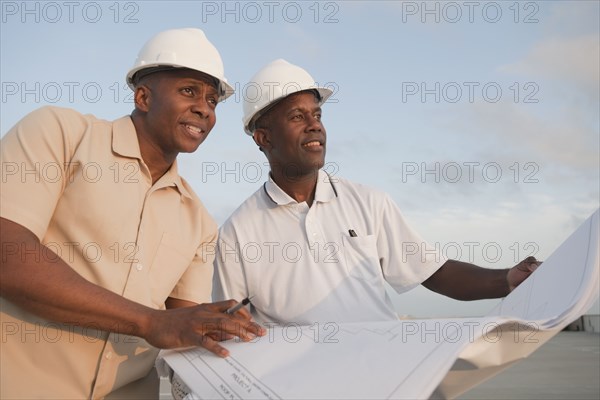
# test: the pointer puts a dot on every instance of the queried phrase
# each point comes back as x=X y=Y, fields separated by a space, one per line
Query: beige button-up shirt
x=80 y=185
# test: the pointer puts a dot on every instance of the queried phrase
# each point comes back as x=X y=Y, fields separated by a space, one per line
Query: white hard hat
x=274 y=82
x=182 y=48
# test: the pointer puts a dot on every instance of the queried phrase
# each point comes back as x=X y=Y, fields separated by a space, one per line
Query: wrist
x=143 y=323
x=509 y=287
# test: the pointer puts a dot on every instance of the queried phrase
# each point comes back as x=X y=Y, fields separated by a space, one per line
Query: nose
x=314 y=124
x=203 y=108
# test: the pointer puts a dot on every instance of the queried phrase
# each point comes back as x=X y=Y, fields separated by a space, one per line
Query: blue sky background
x=481 y=119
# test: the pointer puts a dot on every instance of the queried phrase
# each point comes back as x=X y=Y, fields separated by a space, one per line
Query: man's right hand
x=201 y=325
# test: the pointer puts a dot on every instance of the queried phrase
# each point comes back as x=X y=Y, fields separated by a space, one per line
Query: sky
x=479 y=118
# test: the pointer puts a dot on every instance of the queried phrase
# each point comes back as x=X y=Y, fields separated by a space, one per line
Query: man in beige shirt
x=106 y=251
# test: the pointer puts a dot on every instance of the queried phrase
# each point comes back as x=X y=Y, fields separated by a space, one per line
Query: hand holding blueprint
x=407 y=358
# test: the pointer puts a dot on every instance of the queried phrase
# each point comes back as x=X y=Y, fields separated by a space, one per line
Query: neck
x=300 y=188
x=155 y=159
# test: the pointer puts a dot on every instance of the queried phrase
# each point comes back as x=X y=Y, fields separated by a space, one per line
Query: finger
x=219 y=306
x=531 y=261
x=220 y=336
x=243 y=313
x=523 y=267
x=533 y=266
x=528 y=265
x=216 y=336
x=257 y=329
x=213 y=346
x=219 y=322
x=245 y=330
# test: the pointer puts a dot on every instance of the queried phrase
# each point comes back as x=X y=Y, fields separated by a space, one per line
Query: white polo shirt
x=302 y=265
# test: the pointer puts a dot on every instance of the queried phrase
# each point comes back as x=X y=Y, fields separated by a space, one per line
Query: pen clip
x=352 y=233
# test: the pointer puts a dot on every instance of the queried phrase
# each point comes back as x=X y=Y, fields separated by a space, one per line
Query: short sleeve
x=229 y=279
x=406 y=258
x=34 y=156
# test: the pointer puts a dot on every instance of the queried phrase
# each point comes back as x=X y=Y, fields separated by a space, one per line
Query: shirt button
x=139 y=266
x=109 y=355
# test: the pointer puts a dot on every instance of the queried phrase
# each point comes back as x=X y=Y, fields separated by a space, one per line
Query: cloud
x=573 y=60
x=560 y=136
x=572 y=18
x=568 y=56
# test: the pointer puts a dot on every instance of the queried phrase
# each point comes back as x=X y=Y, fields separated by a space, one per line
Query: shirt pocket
x=362 y=260
x=167 y=267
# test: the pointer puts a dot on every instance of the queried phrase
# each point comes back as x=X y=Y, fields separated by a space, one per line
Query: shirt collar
x=125 y=143
x=124 y=139
x=325 y=190
x=172 y=178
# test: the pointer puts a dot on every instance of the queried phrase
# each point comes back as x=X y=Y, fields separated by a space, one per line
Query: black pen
x=239 y=305
x=352 y=233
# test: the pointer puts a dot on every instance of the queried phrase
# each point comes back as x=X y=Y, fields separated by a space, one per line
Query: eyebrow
x=198 y=83
x=302 y=110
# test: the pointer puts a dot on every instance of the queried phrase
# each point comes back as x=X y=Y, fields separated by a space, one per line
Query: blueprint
x=402 y=359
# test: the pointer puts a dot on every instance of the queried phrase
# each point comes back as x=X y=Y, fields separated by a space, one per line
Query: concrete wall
x=591 y=323
x=587 y=323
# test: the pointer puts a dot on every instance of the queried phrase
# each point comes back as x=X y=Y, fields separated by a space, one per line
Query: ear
x=141 y=97
x=262 y=138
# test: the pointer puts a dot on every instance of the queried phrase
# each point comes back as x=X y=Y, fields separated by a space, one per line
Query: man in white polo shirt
x=307 y=247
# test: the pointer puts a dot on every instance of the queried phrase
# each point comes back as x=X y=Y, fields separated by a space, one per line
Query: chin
x=191 y=147
x=319 y=164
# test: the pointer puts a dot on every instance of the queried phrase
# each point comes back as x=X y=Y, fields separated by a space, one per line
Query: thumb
x=531 y=263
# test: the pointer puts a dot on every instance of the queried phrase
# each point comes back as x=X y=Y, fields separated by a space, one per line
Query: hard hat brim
x=225 y=90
